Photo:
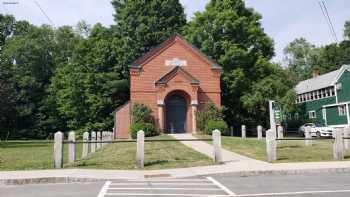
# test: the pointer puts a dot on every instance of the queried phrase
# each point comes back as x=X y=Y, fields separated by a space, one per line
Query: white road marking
x=147 y=183
x=104 y=189
x=215 y=182
x=145 y=194
x=163 y=188
x=293 y=193
x=169 y=180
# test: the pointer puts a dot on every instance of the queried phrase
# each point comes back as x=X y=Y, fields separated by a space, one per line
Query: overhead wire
x=44 y=13
x=328 y=19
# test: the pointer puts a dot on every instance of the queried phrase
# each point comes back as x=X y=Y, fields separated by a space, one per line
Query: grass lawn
x=30 y=155
x=158 y=155
x=287 y=151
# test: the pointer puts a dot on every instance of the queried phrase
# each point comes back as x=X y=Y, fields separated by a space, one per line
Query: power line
x=328 y=19
x=44 y=13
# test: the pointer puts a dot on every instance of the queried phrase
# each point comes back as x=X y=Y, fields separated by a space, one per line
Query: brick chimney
x=315 y=73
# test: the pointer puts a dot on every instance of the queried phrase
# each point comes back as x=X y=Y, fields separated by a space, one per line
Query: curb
x=66 y=180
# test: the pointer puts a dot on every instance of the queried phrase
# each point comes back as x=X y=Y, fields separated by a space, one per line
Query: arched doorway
x=176 y=113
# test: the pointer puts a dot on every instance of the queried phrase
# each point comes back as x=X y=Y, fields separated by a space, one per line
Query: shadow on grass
x=290 y=146
x=156 y=162
x=21 y=145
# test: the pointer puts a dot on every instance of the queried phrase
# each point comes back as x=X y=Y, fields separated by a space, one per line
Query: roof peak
x=175 y=37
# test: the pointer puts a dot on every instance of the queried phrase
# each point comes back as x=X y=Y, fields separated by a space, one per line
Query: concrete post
x=280 y=132
x=259 y=131
x=231 y=129
x=140 y=148
x=217 y=146
x=338 y=146
x=58 y=150
x=71 y=147
x=244 y=132
x=98 y=140
x=103 y=138
x=308 y=136
x=93 y=142
x=271 y=146
x=85 y=145
x=347 y=141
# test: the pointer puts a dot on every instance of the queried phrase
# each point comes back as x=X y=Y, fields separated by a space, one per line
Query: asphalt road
x=315 y=185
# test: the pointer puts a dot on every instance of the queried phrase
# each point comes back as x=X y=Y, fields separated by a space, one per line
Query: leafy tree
x=142 y=25
x=232 y=34
x=87 y=89
x=347 y=30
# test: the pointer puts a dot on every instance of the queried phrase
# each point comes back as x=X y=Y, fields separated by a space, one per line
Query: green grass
x=158 y=155
x=287 y=151
x=30 y=155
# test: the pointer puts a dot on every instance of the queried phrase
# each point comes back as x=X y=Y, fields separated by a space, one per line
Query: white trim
x=347 y=114
x=334 y=105
x=324 y=115
x=336 y=93
x=340 y=73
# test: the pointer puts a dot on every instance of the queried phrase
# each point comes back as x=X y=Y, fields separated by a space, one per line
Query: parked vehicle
x=316 y=130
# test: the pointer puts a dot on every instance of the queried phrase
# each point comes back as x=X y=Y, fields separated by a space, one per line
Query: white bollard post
x=259 y=131
x=71 y=147
x=85 y=145
x=217 y=146
x=347 y=141
x=103 y=136
x=338 y=146
x=280 y=132
x=308 y=136
x=231 y=129
x=93 y=142
x=244 y=132
x=271 y=146
x=98 y=140
x=140 y=148
x=58 y=150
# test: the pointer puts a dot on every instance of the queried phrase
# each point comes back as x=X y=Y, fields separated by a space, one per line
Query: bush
x=215 y=124
x=141 y=113
x=210 y=112
x=148 y=128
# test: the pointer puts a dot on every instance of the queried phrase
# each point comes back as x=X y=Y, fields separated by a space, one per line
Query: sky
x=282 y=20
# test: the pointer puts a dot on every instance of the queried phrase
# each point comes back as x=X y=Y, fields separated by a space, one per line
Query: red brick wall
x=142 y=86
x=122 y=122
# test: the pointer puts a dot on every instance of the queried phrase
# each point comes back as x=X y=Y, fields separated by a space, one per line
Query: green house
x=325 y=99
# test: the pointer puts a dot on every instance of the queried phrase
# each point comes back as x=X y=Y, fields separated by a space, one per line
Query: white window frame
x=324 y=113
x=312 y=114
x=342 y=110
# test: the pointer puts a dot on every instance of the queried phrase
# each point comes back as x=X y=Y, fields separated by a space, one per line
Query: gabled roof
x=322 y=81
x=153 y=52
x=173 y=72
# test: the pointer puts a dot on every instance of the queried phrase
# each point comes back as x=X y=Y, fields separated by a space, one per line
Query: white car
x=316 y=130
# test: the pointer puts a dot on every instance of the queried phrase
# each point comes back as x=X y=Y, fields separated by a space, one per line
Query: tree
x=142 y=25
x=87 y=89
x=231 y=34
x=302 y=57
x=347 y=30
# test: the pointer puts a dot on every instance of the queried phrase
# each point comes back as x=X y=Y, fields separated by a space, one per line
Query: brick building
x=175 y=80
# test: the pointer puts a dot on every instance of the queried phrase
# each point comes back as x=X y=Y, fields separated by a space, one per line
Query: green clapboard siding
x=344 y=93
x=316 y=105
x=333 y=117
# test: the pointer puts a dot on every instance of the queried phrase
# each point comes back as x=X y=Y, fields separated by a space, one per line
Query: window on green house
x=312 y=114
x=342 y=110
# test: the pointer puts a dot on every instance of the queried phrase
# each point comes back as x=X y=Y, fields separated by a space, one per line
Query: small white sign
x=176 y=62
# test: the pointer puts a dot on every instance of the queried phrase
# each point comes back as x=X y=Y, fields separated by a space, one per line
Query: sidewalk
x=234 y=163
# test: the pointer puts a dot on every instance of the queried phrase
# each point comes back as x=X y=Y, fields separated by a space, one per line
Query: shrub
x=141 y=113
x=148 y=128
x=215 y=124
x=210 y=112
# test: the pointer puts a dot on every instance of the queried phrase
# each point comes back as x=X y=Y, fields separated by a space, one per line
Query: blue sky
x=283 y=20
